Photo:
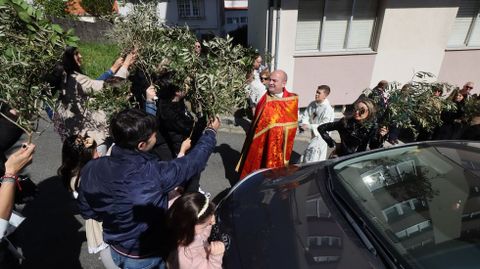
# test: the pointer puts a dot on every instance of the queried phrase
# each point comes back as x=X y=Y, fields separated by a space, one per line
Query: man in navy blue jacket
x=128 y=190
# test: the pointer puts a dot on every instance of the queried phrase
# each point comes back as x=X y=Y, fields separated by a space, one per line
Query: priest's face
x=277 y=82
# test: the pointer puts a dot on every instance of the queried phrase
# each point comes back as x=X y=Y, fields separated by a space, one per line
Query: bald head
x=278 y=80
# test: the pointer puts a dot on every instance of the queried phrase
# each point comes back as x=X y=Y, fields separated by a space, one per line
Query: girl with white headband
x=190 y=221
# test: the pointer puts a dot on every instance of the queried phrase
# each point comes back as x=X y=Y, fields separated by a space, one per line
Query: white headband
x=204 y=208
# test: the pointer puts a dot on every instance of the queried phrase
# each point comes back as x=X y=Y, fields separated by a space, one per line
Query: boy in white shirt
x=317 y=112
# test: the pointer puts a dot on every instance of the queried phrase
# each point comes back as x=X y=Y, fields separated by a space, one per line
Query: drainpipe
x=278 y=4
x=268 y=29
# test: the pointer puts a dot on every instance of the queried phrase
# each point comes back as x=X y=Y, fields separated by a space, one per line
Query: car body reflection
x=414 y=206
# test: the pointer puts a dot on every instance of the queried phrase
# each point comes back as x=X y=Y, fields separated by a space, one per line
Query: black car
x=410 y=206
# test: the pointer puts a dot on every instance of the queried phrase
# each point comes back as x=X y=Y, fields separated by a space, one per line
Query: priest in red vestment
x=269 y=141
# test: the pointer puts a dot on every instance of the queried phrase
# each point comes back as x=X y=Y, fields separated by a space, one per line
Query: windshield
x=423 y=200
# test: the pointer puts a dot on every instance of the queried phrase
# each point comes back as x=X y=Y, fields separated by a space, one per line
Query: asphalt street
x=53 y=236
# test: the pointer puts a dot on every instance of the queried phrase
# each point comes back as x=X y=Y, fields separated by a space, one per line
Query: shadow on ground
x=50 y=236
x=230 y=158
x=240 y=119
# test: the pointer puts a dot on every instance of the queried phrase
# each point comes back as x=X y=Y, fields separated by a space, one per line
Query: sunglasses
x=469 y=87
x=262 y=78
x=360 y=111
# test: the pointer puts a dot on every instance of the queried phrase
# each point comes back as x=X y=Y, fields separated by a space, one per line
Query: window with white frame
x=466 y=29
x=335 y=25
x=317 y=208
x=324 y=241
x=419 y=227
x=190 y=8
x=403 y=208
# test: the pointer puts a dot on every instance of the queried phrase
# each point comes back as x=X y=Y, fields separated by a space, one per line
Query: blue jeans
x=129 y=263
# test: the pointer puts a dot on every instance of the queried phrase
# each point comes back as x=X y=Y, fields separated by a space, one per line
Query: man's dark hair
x=132 y=126
x=167 y=87
x=325 y=88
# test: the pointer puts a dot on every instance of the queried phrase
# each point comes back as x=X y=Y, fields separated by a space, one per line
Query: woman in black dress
x=357 y=131
x=453 y=120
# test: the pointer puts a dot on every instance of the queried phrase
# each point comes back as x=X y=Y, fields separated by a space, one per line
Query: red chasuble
x=269 y=142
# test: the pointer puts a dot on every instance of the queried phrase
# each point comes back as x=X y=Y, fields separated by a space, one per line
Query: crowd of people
x=269 y=140
x=136 y=178
x=125 y=173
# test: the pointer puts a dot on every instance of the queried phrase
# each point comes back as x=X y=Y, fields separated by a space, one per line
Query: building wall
x=347 y=76
x=460 y=66
x=410 y=36
x=257 y=24
x=286 y=41
x=168 y=12
x=236 y=3
x=210 y=22
x=412 y=39
x=237 y=14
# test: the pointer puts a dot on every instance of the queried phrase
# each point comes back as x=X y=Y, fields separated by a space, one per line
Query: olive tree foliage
x=472 y=108
x=413 y=105
x=113 y=98
x=29 y=48
x=214 y=81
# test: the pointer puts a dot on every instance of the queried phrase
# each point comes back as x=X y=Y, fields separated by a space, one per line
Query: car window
x=423 y=200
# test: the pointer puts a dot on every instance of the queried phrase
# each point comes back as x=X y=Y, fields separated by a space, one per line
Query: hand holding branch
x=214 y=123
x=19 y=159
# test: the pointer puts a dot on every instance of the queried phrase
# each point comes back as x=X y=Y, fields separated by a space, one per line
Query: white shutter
x=466 y=11
x=474 y=40
x=308 y=24
x=361 y=28
x=337 y=15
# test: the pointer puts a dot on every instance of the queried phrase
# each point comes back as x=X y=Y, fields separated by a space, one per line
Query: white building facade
x=350 y=45
x=236 y=14
x=204 y=17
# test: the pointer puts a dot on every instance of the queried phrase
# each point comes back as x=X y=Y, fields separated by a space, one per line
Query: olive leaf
x=414 y=105
x=30 y=46
x=214 y=81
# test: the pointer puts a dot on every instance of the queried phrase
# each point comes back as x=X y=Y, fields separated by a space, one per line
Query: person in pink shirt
x=190 y=221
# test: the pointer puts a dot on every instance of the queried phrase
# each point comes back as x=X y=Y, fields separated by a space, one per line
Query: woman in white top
x=256 y=88
x=73 y=117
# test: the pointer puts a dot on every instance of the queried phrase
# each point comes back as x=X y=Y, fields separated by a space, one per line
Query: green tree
x=29 y=48
x=214 y=81
x=414 y=105
x=52 y=8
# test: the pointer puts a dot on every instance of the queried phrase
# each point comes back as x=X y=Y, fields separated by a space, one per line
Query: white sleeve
x=89 y=84
x=329 y=116
x=305 y=118
x=3 y=228
x=122 y=72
